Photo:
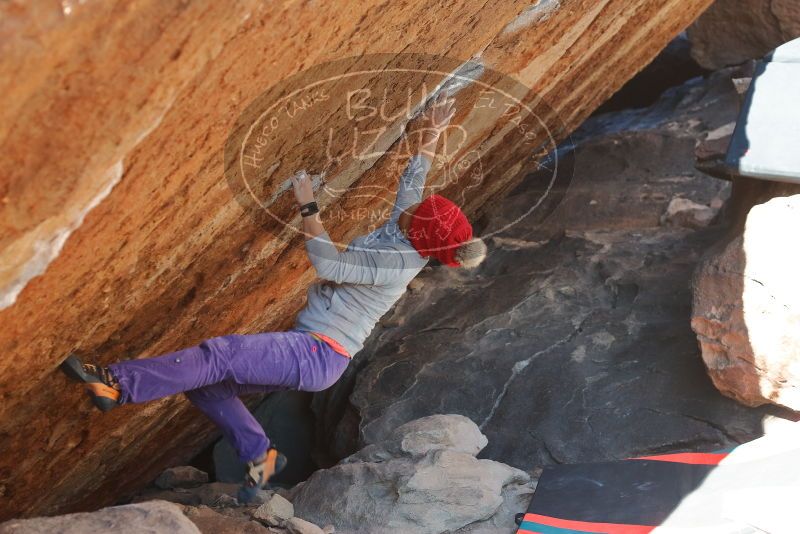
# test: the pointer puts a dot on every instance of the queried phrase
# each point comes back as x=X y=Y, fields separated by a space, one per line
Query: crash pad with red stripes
x=752 y=486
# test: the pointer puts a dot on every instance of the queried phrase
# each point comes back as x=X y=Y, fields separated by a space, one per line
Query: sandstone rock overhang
x=120 y=236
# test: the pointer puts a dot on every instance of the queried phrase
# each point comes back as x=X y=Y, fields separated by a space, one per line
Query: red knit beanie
x=437 y=229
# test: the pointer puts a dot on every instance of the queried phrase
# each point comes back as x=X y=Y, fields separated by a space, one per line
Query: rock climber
x=357 y=287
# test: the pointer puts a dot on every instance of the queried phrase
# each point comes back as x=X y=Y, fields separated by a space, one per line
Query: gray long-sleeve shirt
x=361 y=284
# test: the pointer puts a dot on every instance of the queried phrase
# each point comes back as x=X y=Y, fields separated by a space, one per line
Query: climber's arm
x=357 y=266
x=429 y=142
x=304 y=193
x=412 y=182
x=366 y=266
x=435 y=120
x=411 y=186
x=312 y=225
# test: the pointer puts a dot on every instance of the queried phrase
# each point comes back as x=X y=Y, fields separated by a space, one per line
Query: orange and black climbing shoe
x=99 y=382
x=258 y=473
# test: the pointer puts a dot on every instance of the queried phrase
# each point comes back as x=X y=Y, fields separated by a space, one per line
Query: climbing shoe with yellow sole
x=258 y=473
x=98 y=382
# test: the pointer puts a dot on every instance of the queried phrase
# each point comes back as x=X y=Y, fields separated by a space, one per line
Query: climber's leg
x=291 y=360
x=220 y=402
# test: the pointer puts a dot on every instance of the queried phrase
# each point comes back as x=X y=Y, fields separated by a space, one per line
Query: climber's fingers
x=302 y=186
x=443 y=111
x=451 y=110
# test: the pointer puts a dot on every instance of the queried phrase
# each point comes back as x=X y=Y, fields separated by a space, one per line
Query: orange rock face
x=121 y=236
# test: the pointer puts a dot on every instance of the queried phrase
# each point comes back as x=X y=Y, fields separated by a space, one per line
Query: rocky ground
x=423 y=478
x=572 y=342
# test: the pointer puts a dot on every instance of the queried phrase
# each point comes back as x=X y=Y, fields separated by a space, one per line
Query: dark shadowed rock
x=177 y=496
x=673 y=66
x=733 y=31
x=155 y=517
x=184 y=476
x=217 y=494
x=572 y=342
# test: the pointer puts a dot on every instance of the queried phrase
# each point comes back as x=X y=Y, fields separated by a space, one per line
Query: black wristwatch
x=309 y=209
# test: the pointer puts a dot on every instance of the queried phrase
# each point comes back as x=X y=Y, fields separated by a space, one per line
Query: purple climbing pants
x=214 y=373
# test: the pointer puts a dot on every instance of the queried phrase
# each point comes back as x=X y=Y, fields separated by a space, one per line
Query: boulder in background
x=423 y=478
x=745 y=305
x=733 y=31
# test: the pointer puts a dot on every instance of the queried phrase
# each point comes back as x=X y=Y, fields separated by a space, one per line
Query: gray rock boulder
x=516 y=498
x=154 y=517
x=423 y=478
x=438 y=432
x=296 y=525
x=276 y=509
